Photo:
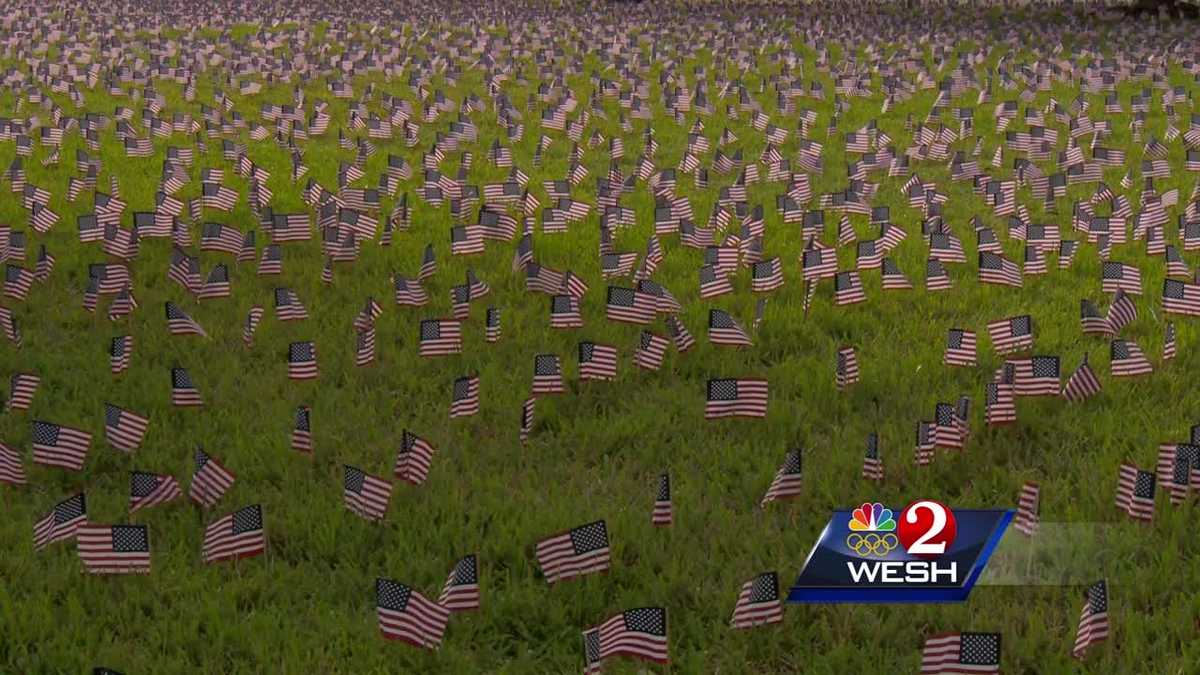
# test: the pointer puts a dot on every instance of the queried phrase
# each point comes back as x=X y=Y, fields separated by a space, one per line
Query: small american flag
x=650 y=351
x=996 y=269
x=1121 y=312
x=58 y=445
x=1116 y=276
x=364 y=494
x=253 y=318
x=413 y=459
x=406 y=615
x=288 y=306
x=238 y=535
x=787 y=481
x=527 y=419
x=960 y=348
x=946 y=431
x=724 y=330
x=597 y=361
x=61 y=523
x=302 y=361
x=736 y=398
x=637 y=633
x=302 y=430
x=662 y=514
x=465 y=397
x=114 y=549
x=1083 y=383
x=1135 y=492
x=151 y=489
x=364 y=346
x=1028 y=503
x=493 y=324
x=680 y=334
x=1127 y=359
x=1090 y=320
x=936 y=276
x=183 y=391
x=210 y=480
x=547 y=375
x=951 y=653
x=564 y=312
x=124 y=429
x=1179 y=297
x=440 y=337
x=925 y=442
x=461 y=591
x=1093 y=619
x=120 y=348
x=23 y=387
x=1169 y=342
x=12 y=469
x=847 y=367
x=576 y=552
x=630 y=306
x=1012 y=334
x=872 y=468
x=758 y=603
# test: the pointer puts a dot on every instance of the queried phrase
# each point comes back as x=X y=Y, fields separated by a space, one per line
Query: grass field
x=307 y=606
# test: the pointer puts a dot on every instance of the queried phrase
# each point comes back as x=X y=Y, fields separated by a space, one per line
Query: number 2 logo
x=927 y=528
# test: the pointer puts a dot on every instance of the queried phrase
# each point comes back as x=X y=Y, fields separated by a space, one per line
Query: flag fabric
x=724 y=330
x=960 y=348
x=1135 y=492
x=527 y=419
x=1179 y=297
x=1121 y=312
x=972 y=653
x=663 y=514
x=465 y=397
x=925 y=443
x=650 y=351
x=302 y=361
x=996 y=269
x=365 y=495
x=364 y=347
x=759 y=603
x=1127 y=359
x=1116 y=276
x=1091 y=322
x=946 y=431
x=1093 y=619
x=120 y=349
x=58 y=445
x=872 y=468
x=406 y=615
x=1028 y=505
x=302 y=430
x=630 y=306
x=999 y=403
x=61 y=523
x=736 y=398
x=847 y=367
x=210 y=480
x=576 y=552
x=1169 y=342
x=1083 y=383
x=493 y=324
x=124 y=429
x=183 y=391
x=253 y=318
x=1011 y=335
x=636 y=633
x=238 y=535
x=597 y=361
x=413 y=459
x=461 y=590
x=787 y=481
x=12 y=468
x=21 y=390
x=440 y=337
x=547 y=375
x=150 y=489
x=114 y=549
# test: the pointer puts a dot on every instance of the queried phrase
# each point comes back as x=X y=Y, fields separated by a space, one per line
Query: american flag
x=999 y=403
x=58 y=445
x=428 y=264
x=925 y=442
x=124 y=429
x=12 y=469
x=364 y=347
x=946 y=430
x=1082 y=384
x=637 y=633
x=464 y=401
x=1093 y=619
x=893 y=279
x=1135 y=492
x=302 y=430
x=406 y=615
x=996 y=269
x=150 y=489
x=1169 y=342
x=493 y=324
x=564 y=312
x=848 y=288
x=1028 y=503
x=409 y=292
x=663 y=513
x=238 y=535
x=527 y=419
x=597 y=361
x=251 y=324
x=766 y=276
x=547 y=375
x=847 y=367
x=1037 y=376
x=179 y=323
x=759 y=603
x=114 y=549
x=936 y=276
x=952 y=653
x=1127 y=359
x=23 y=386
x=872 y=468
x=61 y=523
x=1011 y=335
x=288 y=306
x=787 y=481
x=302 y=361
x=576 y=552
x=17 y=281
x=729 y=397
x=1090 y=320
x=1121 y=312
x=1116 y=276
x=461 y=591
x=630 y=306
x=818 y=264
x=1181 y=298
x=650 y=351
x=413 y=459
x=120 y=349
x=364 y=494
x=681 y=335
x=440 y=337
x=210 y=480
x=960 y=348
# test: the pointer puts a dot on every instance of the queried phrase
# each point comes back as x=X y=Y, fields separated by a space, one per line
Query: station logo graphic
x=926 y=553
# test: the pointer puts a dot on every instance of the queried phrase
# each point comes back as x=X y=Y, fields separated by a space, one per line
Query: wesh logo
x=928 y=553
x=927 y=529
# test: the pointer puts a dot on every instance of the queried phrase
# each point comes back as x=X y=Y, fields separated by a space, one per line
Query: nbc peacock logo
x=872 y=531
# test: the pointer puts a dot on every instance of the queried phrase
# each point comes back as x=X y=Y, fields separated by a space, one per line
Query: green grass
x=307 y=605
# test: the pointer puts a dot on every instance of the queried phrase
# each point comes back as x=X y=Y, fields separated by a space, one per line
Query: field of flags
x=533 y=338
